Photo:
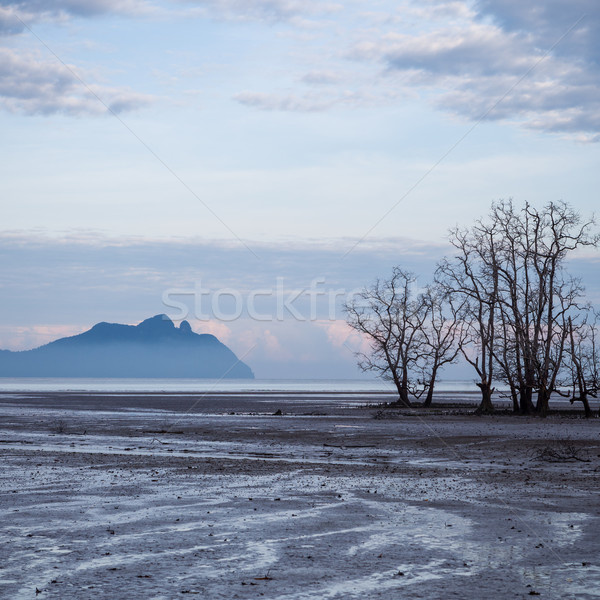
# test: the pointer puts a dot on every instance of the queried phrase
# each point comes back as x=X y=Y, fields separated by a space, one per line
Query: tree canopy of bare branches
x=391 y=318
x=412 y=336
x=503 y=300
x=510 y=268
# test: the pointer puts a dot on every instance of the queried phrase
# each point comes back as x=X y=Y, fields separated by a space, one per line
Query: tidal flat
x=174 y=495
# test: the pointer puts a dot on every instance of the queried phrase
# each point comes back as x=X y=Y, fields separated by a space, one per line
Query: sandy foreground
x=170 y=496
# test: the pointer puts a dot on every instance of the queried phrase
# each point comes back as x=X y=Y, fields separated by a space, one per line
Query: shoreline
x=290 y=403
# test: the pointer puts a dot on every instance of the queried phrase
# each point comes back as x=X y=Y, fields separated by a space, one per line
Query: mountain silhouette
x=154 y=348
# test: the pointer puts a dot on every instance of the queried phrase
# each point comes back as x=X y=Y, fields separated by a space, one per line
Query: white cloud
x=291 y=102
x=510 y=60
x=216 y=328
x=474 y=49
x=25 y=338
x=536 y=64
x=31 y=85
x=548 y=21
x=342 y=336
x=15 y=16
x=313 y=101
x=469 y=53
x=297 y=12
x=321 y=78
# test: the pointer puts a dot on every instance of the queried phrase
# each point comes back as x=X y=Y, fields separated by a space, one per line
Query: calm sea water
x=330 y=386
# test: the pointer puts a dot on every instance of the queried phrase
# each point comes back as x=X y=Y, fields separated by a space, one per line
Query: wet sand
x=213 y=496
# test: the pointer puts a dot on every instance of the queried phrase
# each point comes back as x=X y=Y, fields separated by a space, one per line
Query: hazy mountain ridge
x=153 y=348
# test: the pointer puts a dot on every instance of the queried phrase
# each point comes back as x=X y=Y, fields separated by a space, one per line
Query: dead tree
x=536 y=293
x=584 y=361
x=512 y=352
x=471 y=277
x=443 y=336
x=391 y=318
x=554 y=233
x=511 y=267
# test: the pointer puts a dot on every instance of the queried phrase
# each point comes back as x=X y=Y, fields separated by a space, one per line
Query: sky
x=204 y=158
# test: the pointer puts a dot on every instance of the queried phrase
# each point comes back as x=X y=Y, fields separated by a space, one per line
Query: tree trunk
x=402 y=387
x=586 y=405
x=429 y=398
x=525 y=400
x=486 y=406
x=403 y=390
x=543 y=401
x=515 y=398
x=403 y=396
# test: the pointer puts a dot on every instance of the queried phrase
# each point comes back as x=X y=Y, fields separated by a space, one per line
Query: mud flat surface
x=175 y=496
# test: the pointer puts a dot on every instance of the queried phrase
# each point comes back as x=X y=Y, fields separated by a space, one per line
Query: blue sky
x=149 y=145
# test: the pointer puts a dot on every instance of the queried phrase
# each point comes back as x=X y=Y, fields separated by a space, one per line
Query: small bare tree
x=391 y=317
x=471 y=277
x=443 y=335
x=583 y=353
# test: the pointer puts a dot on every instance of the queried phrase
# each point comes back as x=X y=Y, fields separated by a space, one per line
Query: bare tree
x=536 y=294
x=512 y=351
x=443 y=335
x=390 y=316
x=552 y=234
x=507 y=356
x=583 y=352
x=472 y=277
x=504 y=301
x=510 y=269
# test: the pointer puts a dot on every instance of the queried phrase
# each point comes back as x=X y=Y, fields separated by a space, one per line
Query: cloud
x=506 y=60
x=293 y=11
x=321 y=78
x=535 y=64
x=92 y=278
x=312 y=101
x=25 y=338
x=54 y=287
x=273 y=348
x=34 y=86
x=341 y=335
x=538 y=61
x=290 y=103
x=16 y=16
x=216 y=328
x=292 y=350
x=548 y=21
x=474 y=50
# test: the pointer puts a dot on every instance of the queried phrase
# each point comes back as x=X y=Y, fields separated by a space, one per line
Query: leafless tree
x=536 y=294
x=504 y=301
x=553 y=233
x=443 y=335
x=391 y=317
x=583 y=352
x=471 y=276
x=510 y=269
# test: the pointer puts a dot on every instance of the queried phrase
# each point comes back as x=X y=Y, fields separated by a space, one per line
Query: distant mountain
x=154 y=348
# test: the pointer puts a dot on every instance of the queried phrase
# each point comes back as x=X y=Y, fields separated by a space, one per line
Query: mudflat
x=216 y=496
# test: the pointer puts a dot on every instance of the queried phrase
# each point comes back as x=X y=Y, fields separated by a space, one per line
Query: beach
x=292 y=496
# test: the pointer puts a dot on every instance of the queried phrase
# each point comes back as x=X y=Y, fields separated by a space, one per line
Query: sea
x=346 y=391
x=234 y=386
